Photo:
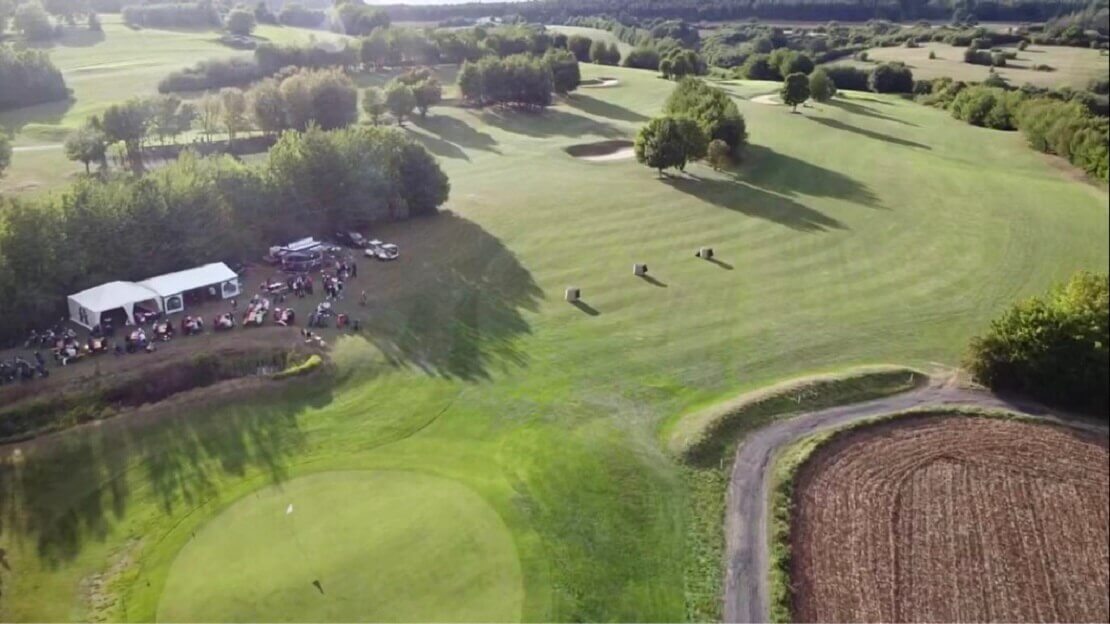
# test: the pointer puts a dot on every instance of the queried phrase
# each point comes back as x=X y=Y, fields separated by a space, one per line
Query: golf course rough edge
x=708 y=436
x=790 y=458
x=358 y=545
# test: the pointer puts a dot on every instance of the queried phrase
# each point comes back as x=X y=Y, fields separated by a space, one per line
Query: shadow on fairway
x=548 y=123
x=859 y=109
x=66 y=489
x=438 y=146
x=585 y=307
x=871 y=134
x=460 y=311
x=754 y=202
x=767 y=169
x=456 y=132
x=601 y=108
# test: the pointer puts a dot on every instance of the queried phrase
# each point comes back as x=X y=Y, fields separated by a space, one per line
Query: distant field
x=953 y=519
x=1074 y=67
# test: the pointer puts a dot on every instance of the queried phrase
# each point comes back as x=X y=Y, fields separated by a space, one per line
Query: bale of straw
x=705 y=253
x=573 y=294
x=639 y=269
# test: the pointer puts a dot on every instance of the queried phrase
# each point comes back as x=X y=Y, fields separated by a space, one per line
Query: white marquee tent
x=171 y=287
x=86 y=306
x=165 y=292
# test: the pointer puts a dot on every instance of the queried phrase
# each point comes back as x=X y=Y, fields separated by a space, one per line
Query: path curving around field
x=747 y=504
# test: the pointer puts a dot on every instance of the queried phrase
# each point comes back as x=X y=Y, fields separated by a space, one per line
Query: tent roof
x=112 y=295
x=179 y=282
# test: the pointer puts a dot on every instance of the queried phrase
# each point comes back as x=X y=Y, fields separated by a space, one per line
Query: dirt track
x=746 y=542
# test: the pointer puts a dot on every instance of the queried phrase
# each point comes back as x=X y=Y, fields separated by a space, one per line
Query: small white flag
x=289 y=509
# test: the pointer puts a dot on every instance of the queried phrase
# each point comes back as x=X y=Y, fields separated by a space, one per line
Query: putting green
x=384 y=546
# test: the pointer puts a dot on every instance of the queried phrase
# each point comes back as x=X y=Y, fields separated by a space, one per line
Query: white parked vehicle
x=382 y=251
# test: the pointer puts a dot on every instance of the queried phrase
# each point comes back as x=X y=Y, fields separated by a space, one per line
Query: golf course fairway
x=371 y=539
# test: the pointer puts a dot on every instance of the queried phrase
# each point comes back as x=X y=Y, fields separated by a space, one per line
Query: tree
x=400 y=101
x=240 y=22
x=821 y=87
x=375 y=48
x=267 y=107
x=94 y=22
x=5 y=153
x=581 y=47
x=87 y=145
x=599 y=52
x=233 y=106
x=891 y=78
x=373 y=102
x=471 y=83
x=208 y=114
x=613 y=55
x=564 y=70
x=1053 y=348
x=712 y=108
x=643 y=57
x=170 y=116
x=795 y=90
x=718 y=154
x=334 y=98
x=31 y=20
x=695 y=143
x=63 y=9
x=427 y=93
x=661 y=144
x=127 y=123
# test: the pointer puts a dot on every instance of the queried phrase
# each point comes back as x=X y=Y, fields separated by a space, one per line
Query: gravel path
x=746 y=541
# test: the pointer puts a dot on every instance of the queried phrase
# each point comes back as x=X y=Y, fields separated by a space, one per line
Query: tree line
x=28 y=77
x=1061 y=122
x=198 y=210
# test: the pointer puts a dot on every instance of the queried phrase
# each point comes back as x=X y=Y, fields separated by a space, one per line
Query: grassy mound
x=708 y=436
x=349 y=546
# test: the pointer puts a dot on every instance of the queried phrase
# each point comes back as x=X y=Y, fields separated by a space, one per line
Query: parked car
x=382 y=251
x=352 y=239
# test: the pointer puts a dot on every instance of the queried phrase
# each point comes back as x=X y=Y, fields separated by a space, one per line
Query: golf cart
x=382 y=251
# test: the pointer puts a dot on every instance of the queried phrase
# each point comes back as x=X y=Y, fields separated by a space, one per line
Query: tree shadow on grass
x=463 y=312
x=548 y=123
x=438 y=146
x=764 y=168
x=755 y=202
x=601 y=108
x=871 y=134
x=457 y=132
x=63 y=490
x=866 y=111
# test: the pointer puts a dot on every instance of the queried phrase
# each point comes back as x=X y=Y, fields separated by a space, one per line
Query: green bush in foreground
x=1052 y=348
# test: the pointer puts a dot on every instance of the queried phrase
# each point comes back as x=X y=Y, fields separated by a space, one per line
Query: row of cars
x=372 y=248
x=309 y=254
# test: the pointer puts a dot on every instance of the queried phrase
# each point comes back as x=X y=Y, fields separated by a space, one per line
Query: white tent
x=86 y=306
x=171 y=287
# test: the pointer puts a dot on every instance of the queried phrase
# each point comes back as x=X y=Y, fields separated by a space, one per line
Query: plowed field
x=953 y=519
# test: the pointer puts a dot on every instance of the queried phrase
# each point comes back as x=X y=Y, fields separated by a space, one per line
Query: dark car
x=352 y=239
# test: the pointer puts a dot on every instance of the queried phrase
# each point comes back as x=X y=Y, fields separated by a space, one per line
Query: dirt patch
x=599 y=83
x=953 y=519
x=619 y=149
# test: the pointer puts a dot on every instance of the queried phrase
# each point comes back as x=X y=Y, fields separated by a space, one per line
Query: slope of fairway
x=871 y=229
x=383 y=546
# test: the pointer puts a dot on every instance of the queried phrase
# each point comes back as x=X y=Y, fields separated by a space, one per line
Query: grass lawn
x=1073 y=67
x=868 y=230
x=372 y=540
x=104 y=68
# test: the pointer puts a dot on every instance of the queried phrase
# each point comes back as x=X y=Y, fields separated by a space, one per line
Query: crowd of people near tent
x=153 y=328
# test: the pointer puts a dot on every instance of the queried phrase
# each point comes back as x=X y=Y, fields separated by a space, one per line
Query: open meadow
x=490 y=451
x=1071 y=66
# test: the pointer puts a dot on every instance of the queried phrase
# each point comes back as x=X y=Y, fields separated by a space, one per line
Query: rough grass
x=1073 y=67
x=868 y=230
x=709 y=436
x=792 y=457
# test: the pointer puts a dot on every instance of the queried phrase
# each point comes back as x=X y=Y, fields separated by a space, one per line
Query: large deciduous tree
x=427 y=93
x=373 y=103
x=87 y=145
x=240 y=22
x=821 y=87
x=795 y=90
x=400 y=101
x=669 y=143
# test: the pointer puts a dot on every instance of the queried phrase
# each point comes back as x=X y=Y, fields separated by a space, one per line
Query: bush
x=891 y=78
x=294 y=14
x=240 y=22
x=32 y=20
x=988 y=107
x=1066 y=129
x=213 y=74
x=847 y=77
x=519 y=80
x=28 y=77
x=715 y=112
x=642 y=57
x=1054 y=348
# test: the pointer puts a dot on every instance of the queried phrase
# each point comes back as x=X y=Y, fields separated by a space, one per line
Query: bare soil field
x=953 y=519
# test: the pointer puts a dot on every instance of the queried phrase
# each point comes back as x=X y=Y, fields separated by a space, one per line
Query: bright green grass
x=870 y=230
x=1074 y=67
x=373 y=540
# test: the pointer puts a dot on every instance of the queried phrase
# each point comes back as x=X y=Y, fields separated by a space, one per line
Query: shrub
x=891 y=78
x=519 y=80
x=29 y=77
x=294 y=14
x=932 y=55
x=847 y=77
x=642 y=57
x=712 y=108
x=32 y=20
x=213 y=74
x=1053 y=348
x=240 y=22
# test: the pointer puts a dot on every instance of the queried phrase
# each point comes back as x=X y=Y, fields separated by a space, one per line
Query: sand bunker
x=770 y=99
x=599 y=83
x=601 y=151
